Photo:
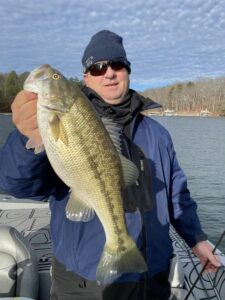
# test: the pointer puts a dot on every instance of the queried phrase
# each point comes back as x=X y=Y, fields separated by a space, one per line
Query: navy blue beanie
x=104 y=45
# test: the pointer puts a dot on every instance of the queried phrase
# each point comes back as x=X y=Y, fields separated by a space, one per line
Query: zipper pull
x=142 y=165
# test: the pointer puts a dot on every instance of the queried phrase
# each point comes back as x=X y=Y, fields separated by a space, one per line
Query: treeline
x=192 y=97
x=187 y=97
x=10 y=84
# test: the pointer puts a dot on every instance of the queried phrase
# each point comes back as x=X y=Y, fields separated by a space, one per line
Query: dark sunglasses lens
x=98 y=69
x=116 y=66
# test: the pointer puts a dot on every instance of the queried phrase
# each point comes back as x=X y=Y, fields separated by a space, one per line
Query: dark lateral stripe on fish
x=109 y=201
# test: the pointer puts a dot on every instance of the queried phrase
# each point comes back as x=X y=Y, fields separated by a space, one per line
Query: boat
x=25 y=257
x=169 y=113
x=204 y=113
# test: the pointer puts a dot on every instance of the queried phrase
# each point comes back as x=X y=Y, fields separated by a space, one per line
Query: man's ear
x=85 y=78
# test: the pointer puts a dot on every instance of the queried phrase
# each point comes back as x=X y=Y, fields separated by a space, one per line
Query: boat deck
x=32 y=220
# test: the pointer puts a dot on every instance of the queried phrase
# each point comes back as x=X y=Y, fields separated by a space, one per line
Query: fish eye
x=56 y=76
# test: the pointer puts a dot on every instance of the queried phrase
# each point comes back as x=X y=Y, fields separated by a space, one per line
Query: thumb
x=214 y=259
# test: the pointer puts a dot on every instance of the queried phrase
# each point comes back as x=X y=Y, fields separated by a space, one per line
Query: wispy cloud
x=165 y=41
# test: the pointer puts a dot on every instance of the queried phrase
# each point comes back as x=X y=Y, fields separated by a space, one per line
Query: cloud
x=165 y=41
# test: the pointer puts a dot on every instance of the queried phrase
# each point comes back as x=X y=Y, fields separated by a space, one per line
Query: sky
x=166 y=41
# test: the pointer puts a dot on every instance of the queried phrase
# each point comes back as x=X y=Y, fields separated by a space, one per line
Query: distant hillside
x=184 y=98
x=192 y=97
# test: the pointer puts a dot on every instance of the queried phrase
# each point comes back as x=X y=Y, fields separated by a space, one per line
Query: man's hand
x=203 y=250
x=24 y=115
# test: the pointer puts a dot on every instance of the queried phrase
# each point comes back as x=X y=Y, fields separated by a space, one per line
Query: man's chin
x=113 y=100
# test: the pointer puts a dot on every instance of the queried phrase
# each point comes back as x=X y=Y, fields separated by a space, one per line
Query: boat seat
x=18 y=266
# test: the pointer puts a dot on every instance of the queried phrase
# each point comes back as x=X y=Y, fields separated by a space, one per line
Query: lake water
x=200 y=147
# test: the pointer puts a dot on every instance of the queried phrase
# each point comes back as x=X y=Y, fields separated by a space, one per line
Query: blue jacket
x=79 y=245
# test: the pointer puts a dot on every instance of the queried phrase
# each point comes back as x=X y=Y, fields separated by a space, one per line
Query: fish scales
x=104 y=168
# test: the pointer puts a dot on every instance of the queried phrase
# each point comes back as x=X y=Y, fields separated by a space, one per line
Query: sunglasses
x=100 y=68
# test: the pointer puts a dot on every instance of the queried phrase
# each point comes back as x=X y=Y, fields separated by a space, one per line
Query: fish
x=87 y=158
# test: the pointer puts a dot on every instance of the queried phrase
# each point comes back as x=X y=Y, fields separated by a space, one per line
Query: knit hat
x=104 y=45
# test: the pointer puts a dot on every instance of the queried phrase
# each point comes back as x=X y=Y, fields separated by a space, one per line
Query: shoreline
x=161 y=114
x=5 y=113
x=181 y=114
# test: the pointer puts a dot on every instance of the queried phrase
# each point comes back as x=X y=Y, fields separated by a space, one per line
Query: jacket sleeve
x=183 y=209
x=24 y=174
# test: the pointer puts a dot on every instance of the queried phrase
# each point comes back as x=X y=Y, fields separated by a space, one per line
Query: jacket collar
x=147 y=102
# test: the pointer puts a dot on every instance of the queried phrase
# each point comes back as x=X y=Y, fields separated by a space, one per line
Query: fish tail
x=114 y=262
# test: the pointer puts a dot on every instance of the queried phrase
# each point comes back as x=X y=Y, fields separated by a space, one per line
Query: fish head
x=55 y=92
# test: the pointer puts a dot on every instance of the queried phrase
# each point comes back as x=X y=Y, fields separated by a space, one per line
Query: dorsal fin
x=130 y=170
x=115 y=132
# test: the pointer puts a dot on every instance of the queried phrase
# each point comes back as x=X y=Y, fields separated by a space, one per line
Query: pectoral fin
x=54 y=126
x=78 y=210
x=57 y=129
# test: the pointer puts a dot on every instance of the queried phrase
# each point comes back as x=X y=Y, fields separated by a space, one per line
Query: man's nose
x=110 y=72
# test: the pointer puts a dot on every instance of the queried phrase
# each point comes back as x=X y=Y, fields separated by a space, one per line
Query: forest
x=10 y=84
x=184 y=98
x=192 y=97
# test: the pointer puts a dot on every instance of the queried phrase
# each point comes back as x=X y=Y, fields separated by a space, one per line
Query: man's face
x=111 y=86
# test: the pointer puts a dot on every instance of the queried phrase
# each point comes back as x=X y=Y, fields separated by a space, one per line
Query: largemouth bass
x=83 y=155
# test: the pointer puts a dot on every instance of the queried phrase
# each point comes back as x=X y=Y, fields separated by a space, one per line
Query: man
x=161 y=194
